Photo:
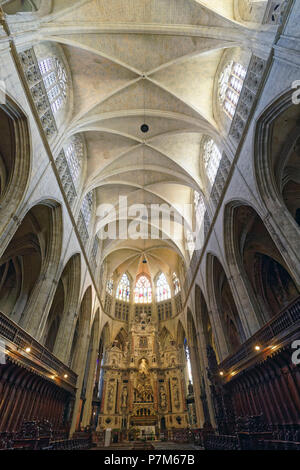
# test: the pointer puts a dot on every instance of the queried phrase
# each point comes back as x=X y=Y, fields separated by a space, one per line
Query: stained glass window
x=230 y=87
x=123 y=290
x=176 y=283
x=109 y=286
x=143 y=291
x=55 y=81
x=212 y=157
x=163 y=291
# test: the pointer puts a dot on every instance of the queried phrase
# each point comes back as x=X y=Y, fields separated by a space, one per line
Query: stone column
x=248 y=308
x=86 y=418
x=82 y=351
x=286 y=236
x=196 y=372
x=218 y=331
x=202 y=357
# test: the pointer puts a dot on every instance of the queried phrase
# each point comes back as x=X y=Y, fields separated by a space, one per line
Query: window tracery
x=86 y=208
x=143 y=291
x=176 y=283
x=55 y=81
x=123 y=289
x=212 y=158
x=163 y=291
x=74 y=157
x=110 y=286
x=230 y=87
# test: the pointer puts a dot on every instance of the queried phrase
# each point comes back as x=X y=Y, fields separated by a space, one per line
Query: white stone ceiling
x=153 y=61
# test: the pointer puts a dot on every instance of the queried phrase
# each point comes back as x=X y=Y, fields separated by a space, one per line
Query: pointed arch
x=277 y=170
x=82 y=330
x=143 y=290
x=180 y=333
x=162 y=288
x=224 y=304
x=124 y=288
x=105 y=334
x=267 y=276
x=15 y=160
x=203 y=319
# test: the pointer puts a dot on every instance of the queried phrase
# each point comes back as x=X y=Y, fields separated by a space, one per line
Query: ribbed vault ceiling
x=152 y=61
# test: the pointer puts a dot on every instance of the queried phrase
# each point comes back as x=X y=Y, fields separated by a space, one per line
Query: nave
x=149 y=224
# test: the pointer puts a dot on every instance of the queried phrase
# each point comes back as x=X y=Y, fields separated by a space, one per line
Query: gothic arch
x=61 y=314
x=236 y=267
x=224 y=304
x=191 y=329
x=203 y=320
x=164 y=335
x=121 y=338
x=105 y=335
x=29 y=264
x=267 y=276
x=269 y=158
x=82 y=331
x=277 y=169
x=15 y=160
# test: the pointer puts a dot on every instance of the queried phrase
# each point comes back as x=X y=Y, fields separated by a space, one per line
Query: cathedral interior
x=150 y=224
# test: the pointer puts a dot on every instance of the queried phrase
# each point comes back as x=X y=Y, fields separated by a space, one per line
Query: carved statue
x=190 y=388
x=110 y=396
x=212 y=360
x=143 y=317
x=176 y=394
x=124 y=397
x=163 y=397
x=143 y=368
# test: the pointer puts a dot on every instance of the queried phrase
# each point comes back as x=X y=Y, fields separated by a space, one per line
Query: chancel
x=149 y=225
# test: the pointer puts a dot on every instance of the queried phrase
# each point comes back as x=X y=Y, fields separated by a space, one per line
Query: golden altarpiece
x=143 y=384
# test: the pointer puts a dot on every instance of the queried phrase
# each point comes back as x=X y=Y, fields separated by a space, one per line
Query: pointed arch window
x=123 y=290
x=230 y=87
x=212 y=157
x=109 y=286
x=143 y=291
x=55 y=80
x=176 y=284
x=163 y=291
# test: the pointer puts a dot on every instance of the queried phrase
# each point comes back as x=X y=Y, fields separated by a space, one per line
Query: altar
x=146 y=432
